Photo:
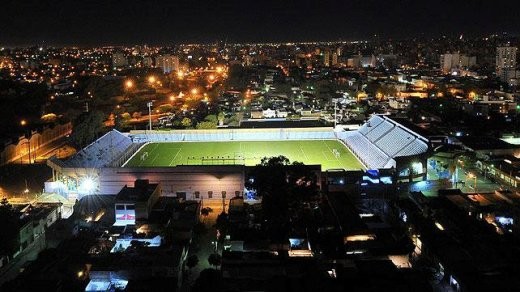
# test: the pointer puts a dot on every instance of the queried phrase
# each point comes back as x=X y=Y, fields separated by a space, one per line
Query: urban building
x=167 y=63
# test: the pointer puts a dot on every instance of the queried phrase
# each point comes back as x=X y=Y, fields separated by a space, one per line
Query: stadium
x=211 y=164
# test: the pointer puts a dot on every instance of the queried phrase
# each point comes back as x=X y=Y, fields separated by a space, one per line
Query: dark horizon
x=94 y=23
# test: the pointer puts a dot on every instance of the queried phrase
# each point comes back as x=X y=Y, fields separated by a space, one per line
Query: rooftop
x=141 y=191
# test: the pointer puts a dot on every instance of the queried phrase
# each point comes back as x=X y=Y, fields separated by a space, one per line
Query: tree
x=126 y=116
x=207 y=125
x=192 y=261
x=186 y=122
x=222 y=224
x=87 y=128
x=136 y=115
x=211 y=118
x=271 y=184
x=221 y=117
x=214 y=259
x=281 y=185
x=234 y=121
x=165 y=108
x=205 y=212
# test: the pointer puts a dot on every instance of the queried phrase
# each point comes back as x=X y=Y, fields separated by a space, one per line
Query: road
x=202 y=245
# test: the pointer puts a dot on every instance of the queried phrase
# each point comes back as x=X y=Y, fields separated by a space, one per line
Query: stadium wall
x=176 y=181
x=233 y=135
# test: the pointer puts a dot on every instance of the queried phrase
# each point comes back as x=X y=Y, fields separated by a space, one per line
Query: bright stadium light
x=87 y=185
x=417 y=167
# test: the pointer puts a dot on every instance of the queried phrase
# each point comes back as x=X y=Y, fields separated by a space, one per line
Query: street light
x=129 y=84
x=457 y=170
x=23 y=123
x=474 y=177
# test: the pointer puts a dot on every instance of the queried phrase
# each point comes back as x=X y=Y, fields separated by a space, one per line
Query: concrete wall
x=35 y=144
x=180 y=179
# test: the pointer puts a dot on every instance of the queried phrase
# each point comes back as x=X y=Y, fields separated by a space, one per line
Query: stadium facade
x=99 y=168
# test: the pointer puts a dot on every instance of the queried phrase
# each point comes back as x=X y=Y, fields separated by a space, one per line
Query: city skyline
x=64 y=22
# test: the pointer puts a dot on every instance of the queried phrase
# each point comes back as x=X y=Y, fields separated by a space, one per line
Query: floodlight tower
x=149 y=104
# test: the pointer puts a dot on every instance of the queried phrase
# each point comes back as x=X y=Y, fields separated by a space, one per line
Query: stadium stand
x=394 y=141
x=370 y=125
x=377 y=142
x=413 y=149
x=367 y=152
x=102 y=152
x=379 y=131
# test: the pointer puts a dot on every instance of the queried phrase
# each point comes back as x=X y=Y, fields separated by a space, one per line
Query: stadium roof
x=100 y=153
x=140 y=192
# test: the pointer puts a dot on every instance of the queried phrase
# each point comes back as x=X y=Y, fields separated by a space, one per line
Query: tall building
x=506 y=58
x=449 y=61
x=506 y=62
x=167 y=63
x=119 y=60
x=467 y=61
x=334 y=59
x=326 y=58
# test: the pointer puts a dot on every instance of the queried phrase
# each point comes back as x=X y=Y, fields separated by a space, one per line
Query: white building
x=449 y=61
x=167 y=63
x=269 y=113
x=454 y=61
x=281 y=113
x=505 y=60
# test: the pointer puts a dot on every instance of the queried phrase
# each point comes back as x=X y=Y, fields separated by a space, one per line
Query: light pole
x=149 y=104
x=29 y=147
x=457 y=171
x=335 y=110
x=474 y=177
x=23 y=123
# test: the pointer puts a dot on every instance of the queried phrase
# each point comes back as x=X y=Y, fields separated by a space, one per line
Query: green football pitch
x=331 y=154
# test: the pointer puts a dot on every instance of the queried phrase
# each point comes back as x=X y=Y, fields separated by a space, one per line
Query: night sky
x=157 y=22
